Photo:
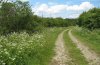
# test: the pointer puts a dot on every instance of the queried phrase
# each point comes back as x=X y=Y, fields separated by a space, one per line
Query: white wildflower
x=1 y=46
x=3 y=63
x=5 y=49
x=7 y=53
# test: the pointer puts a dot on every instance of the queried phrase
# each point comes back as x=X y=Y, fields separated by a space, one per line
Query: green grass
x=74 y=52
x=90 y=38
x=25 y=49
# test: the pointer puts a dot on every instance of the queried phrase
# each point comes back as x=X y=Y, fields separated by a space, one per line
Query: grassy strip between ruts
x=75 y=54
x=90 y=38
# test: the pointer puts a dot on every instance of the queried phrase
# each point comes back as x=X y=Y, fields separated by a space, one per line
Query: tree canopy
x=90 y=19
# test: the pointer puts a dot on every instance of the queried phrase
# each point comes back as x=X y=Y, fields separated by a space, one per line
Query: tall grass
x=25 y=49
x=90 y=38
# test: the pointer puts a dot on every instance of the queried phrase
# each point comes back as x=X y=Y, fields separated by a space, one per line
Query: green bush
x=90 y=19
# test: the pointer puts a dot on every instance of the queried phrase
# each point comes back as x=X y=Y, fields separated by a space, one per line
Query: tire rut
x=61 y=57
x=90 y=55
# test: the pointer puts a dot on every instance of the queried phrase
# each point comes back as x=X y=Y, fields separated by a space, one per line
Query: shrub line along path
x=61 y=57
x=90 y=55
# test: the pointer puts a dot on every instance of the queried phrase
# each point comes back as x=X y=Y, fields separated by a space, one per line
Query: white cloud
x=59 y=8
x=73 y=15
x=24 y=0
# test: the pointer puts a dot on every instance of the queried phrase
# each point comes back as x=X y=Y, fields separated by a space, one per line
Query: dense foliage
x=90 y=19
x=15 y=17
x=18 y=16
x=58 y=22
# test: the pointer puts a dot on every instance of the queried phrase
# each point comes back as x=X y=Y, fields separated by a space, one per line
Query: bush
x=90 y=19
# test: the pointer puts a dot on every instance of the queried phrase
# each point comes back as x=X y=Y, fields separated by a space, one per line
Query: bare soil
x=89 y=54
x=61 y=57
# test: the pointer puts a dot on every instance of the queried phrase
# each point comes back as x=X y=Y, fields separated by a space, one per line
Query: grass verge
x=90 y=38
x=75 y=54
x=25 y=49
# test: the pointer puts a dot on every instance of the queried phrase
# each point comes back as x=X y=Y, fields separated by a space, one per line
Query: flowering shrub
x=19 y=49
x=15 y=47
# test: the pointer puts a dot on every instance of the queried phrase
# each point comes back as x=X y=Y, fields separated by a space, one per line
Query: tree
x=16 y=17
x=7 y=11
x=90 y=19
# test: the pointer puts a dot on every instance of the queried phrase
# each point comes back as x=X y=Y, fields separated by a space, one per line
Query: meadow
x=24 y=49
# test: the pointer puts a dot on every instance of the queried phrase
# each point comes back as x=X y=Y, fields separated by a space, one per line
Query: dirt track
x=61 y=57
x=90 y=55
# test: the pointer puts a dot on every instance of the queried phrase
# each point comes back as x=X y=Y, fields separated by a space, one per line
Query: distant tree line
x=58 y=22
x=18 y=16
x=90 y=19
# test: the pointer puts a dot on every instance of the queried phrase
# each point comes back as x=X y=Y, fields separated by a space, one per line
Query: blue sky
x=69 y=2
x=62 y=8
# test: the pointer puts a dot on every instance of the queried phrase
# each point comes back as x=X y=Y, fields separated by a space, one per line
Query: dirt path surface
x=60 y=57
x=90 y=55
